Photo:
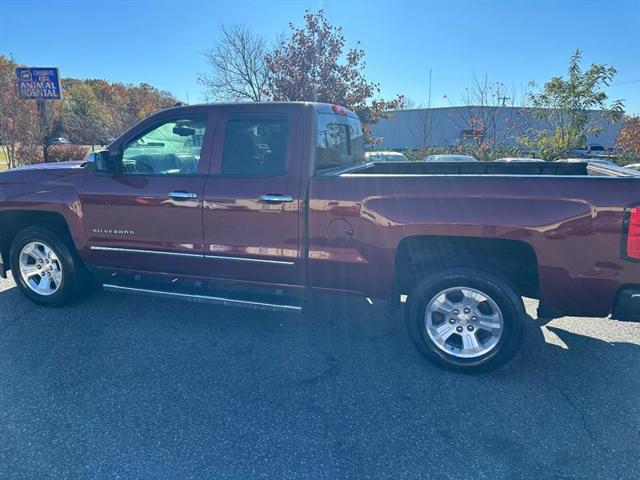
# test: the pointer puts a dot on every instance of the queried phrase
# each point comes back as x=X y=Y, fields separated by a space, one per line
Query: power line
x=429 y=101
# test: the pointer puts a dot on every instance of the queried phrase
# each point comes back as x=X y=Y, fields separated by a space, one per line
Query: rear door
x=252 y=202
x=148 y=216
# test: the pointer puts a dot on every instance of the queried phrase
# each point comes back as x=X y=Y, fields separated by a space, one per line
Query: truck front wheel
x=465 y=320
x=46 y=268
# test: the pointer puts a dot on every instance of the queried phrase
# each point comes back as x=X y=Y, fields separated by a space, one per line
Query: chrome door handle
x=276 y=198
x=183 y=195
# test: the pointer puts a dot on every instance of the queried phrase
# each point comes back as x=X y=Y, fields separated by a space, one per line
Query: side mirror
x=102 y=161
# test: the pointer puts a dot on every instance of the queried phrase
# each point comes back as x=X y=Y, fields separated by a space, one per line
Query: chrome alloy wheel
x=464 y=322
x=40 y=268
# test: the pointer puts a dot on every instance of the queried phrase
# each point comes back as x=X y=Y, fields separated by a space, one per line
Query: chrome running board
x=202 y=298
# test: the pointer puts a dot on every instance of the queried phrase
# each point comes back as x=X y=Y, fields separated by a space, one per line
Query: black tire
x=493 y=287
x=75 y=279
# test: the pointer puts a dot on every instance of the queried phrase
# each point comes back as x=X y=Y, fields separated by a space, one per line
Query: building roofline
x=460 y=107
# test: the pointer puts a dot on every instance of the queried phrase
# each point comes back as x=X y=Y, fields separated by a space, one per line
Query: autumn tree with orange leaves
x=313 y=65
x=20 y=127
x=629 y=139
x=90 y=112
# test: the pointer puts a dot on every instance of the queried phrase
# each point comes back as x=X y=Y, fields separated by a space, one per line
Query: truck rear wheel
x=465 y=320
x=46 y=268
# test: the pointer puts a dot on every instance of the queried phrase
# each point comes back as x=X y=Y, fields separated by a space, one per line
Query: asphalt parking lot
x=133 y=387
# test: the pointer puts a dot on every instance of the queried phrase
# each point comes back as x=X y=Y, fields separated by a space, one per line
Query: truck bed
x=570 y=214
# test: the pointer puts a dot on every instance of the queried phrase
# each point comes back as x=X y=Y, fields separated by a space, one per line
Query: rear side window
x=339 y=142
x=255 y=145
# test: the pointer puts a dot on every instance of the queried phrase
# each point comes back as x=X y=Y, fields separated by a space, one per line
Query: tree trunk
x=45 y=150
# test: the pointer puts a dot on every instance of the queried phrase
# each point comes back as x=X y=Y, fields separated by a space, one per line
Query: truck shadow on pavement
x=340 y=386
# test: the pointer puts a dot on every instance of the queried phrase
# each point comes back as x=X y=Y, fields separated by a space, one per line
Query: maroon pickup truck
x=260 y=205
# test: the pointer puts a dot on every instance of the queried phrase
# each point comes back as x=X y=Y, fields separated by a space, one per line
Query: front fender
x=53 y=194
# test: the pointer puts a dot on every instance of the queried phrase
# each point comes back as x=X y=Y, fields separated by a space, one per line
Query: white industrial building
x=453 y=126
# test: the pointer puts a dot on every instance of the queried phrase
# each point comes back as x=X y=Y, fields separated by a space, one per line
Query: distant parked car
x=449 y=158
x=519 y=159
x=60 y=141
x=596 y=149
x=385 y=157
x=592 y=150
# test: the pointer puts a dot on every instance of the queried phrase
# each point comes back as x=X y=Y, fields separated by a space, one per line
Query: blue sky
x=160 y=42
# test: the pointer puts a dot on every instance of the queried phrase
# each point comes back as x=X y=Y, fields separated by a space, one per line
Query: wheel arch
x=514 y=260
x=14 y=221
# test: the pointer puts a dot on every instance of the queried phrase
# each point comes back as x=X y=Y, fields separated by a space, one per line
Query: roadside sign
x=38 y=83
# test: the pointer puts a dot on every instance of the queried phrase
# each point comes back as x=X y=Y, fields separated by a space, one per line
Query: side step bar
x=202 y=298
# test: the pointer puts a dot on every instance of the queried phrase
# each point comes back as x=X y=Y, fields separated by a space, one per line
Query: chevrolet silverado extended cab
x=261 y=204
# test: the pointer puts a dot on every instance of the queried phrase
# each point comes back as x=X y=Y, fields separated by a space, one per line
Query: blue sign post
x=38 y=83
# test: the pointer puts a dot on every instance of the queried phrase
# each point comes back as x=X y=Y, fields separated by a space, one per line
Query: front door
x=252 y=201
x=148 y=215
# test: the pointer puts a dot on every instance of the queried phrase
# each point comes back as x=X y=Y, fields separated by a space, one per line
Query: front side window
x=255 y=145
x=339 y=142
x=172 y=148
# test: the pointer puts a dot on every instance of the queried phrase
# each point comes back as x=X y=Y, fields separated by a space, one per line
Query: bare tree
x=239 y=71
x=494 y=116
x=422 y=130
x=409 y=103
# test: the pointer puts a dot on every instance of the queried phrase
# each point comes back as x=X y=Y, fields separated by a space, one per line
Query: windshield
x=339 y=142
